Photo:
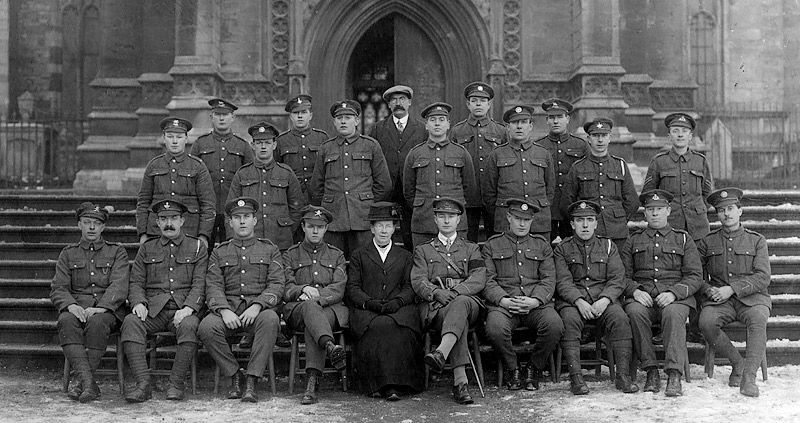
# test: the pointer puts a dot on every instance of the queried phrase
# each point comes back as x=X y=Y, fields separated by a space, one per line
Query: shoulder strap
x=449 y=261
x=609 y=246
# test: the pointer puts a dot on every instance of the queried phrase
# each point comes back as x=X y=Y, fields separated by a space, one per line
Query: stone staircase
x=35 y=227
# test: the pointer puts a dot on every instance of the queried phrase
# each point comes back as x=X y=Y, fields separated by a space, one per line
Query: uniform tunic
x=349 y=175
x=607 y=181
x=223 y=155
x=519 y=170
x=298 y=149
x=565 y=149
x=277 y=191
x=479 y=137
x=688 y=178
x=434 y=170
x=183 y=178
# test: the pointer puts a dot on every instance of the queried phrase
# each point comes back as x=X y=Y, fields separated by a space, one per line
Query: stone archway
x=456 y=29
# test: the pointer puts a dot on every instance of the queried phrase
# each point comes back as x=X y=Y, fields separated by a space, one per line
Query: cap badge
x=682 y=119
x=299 y=100
x=724 y=194
x=555 y=104
x=600 y=125
x=656 y=197
x=438 y=107
x=582 y=205
x=262 y=129
x=344 y=105
x=518 y=110
x=220 y=104
x=480 y=88
x=176 y=122
x=318 y=213
x=394 y=212
x=166 y=205
x=524 y=207
x=97 y=208
x=240 y=203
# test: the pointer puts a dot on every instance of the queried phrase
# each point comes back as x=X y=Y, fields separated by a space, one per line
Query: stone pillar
x=597 y=78
x=297 y=72
x=497 y=72
x=4 y=36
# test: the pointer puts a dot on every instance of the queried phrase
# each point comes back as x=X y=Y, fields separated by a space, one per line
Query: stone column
x=4 y=36
x=597 y=74
x=497 y=72
x=297 y=72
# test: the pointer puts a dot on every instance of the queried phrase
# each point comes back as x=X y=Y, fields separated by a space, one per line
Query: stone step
x=51 y=250
x=784 y=265
x=65 y=234
x=47 y=201
x=59 y=218
x=783 y=246
x=784 y=284
x=765 y=213
x=28 y=332
x=770 y=197
x=770 y=230
x=30 y=309
x=785 y=304
x=28 y=269
x=24 y=288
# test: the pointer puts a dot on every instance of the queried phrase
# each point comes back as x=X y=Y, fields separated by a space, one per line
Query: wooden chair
x=118 y=371
x=297 y=355
x=154 y=350
x=524 y=348
x=242 y=356
x=476 y=351
x=597 y=361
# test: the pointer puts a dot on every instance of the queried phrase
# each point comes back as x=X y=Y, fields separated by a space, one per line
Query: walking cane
x=472 y=363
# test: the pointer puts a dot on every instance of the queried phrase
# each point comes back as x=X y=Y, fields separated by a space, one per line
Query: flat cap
x=316 y=214
x=448 y=205
x=600 y=125
x=518 y=113
x=521 y=208
x=298 y=103
x=165 y=207
x=655 y=197
x=218 y=104
x=175 y=124
x=584 y=208
x=262 y=131
x=346 y=107
x=88 y=209
x=680 y=119
x=557 y=106
x=382 y=211
x=436 y=109
x=245 y=204
x=725 y=196
x=398 y=89
x=479 y=89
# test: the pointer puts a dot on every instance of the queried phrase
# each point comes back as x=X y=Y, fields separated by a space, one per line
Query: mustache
x=398 y=107
x=169 y=228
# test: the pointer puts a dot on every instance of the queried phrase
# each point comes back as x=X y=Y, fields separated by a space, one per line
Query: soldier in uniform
x=315 y=283
x=447 y=276
x=735 y=282
x=565 y=149
x=519 y=169
x=89 y=291
x=662 y=273
x=298 y=146
x=397 y=136
x=244 y=287
x=605 y=179
x=521 y=281
x=349 y=175
x=479 y=134
x=167 y=292
x=273 y=185
x=435 y=169
x=223 y=153
x=180 y=177
x=591 y=279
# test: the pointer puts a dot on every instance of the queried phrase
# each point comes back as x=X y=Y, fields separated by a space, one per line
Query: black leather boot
x=250 y=394
x=674 y=388
x=515 y=380
x=653 y=383
x=532 y=375
x=577 y=385
x=237 y=384
x=623 y=380
x=748 y=386
x=310 y=395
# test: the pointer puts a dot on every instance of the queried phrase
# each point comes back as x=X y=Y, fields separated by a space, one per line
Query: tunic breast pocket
x=615 y=180
x=696 y=183
x=278 y=191
x=333 y=166
x=715 y=261
x=78 y=274
x=535 y=258
x=642 y=255
x=162 y=182
x=598 y=268
x=185 y=270
x=153 y=265
x=422 y=169
x=588 y=185
x=290 y=156
x=453 y=167
x=261 y=262
x=505 y=169
x=103 y=266
x=302 y=272
x=671 y=255
x=227 y=264
x=743 y=259
x=362 y=163
x=669 y=180
x=185 y=184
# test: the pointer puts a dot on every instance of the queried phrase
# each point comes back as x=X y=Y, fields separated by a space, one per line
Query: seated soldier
x=735 y=282
x=315 y=283
x=244 y=286
x=662 y=273
x=448 y=274
x=590 y=281
x=521 y=280
x=167 y=291
x=89 y=291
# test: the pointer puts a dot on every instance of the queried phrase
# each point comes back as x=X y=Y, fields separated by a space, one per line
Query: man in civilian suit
x=397 y=135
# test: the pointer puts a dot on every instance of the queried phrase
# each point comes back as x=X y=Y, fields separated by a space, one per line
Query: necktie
x=400 y=126
x=449 y=243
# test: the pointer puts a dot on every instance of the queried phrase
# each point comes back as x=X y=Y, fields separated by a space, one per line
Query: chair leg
x=271 y=367
x=633 y=365
x=687 y=367
x=194 y=374
x=65 y=380
x=764 y=367
x=709 y=361
x=120 y=366
x=216 y=379
x=427 y=349
x=293 y=362
x=553 y=370
x=343 y=373
x=558 y=363
x=612 y=372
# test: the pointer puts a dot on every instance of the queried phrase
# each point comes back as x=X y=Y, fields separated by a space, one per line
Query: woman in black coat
x=387 y=358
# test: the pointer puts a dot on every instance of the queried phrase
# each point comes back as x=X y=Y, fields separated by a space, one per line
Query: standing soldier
x=435 y=169
x=179 y=177
x=479 y=134
x=519 y=169
x=447 y=276
x=735 y=282
x=349 y=175
x=223 y=153
x=662 y=273
x=298 y=146
x=566 y=149
x=397 y=136
x=521 y=281
x=244 y=287
x=167 y=292
x=591 y=279
x=273 y=185
x=606 y=180
x=315 y=283
x=89 y=292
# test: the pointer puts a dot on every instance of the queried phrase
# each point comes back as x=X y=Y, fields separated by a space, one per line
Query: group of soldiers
x=234 y=237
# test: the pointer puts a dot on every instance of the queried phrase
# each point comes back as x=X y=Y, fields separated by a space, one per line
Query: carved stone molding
x=672 y=98
x=194 y=85
x=511 y=49
x=535 y=92
x=249 y=93
x=122 y=94
x=280 y=51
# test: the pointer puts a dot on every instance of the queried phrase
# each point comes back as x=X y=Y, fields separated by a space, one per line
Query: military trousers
x=543 y=321
x=614 y=321
x=136 y=330
x=714 y=316
x=92 y=334
x=264 y=329
x=315 y=322
x=673 y=329
x=456 y=317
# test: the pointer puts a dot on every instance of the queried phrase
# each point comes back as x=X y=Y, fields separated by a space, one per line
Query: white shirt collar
x=404 y=119
x=382 y=251
x=444 y=239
